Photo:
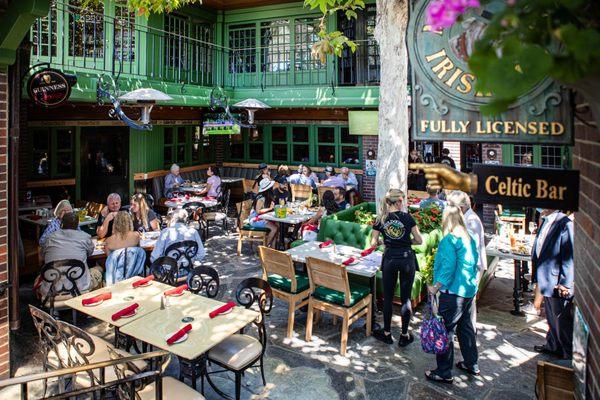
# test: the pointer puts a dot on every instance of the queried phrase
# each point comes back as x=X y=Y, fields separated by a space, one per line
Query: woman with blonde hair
x=455 y=277
x=125 y=257
x=396 y=227
x=144 y=218
x=63 y=207
x=123 y=234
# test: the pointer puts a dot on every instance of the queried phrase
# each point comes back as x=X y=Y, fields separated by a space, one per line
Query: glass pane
x=347 y=137
x=279 y=152
x=168 y=155
x=523 y=155
x=350 y=155
x=64 y=139
x=551 y=156
x=196 y=152
x=242 y=41
x=327 y=154
x=86 y=29
x=256 y=135
x=306 y=34
x=300 y=153
x=64 y=163
x=237 y=150
x=256 y=151
x=181 y=131
x=41 y=140
x=326 y=135
x=275 y=45
x=168 y=135
x=181 y=154
x=41 y=164
x=207 y=152
x=238 y=138
x=124 y=31
x=197 y=134
x=300 y=134
x=279 y=134
x=176 y=47
x=43 y=34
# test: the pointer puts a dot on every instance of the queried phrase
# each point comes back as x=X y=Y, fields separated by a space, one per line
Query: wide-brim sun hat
x=265 y=184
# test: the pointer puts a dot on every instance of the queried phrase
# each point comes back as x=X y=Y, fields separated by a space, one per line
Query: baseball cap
x=330 y=169
x=262 y=166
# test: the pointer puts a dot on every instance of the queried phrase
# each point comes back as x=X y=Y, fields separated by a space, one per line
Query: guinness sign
x=50 y=87
x=445 y=102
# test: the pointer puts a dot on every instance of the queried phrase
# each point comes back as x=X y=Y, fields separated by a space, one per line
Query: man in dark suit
x=552 y=257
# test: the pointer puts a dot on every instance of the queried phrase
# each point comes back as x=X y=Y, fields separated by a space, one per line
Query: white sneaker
x=530 y=309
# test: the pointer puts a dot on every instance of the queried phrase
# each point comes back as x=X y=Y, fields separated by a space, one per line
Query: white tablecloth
x=178 y=204
x=289 y=219
x=500 y=247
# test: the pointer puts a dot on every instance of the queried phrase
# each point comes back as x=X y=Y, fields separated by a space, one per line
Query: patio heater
x=251 y=105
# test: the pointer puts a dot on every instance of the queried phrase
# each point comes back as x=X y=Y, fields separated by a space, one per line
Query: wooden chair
x=287 y=285
x=94 y=209
x=247 y=232
x=300 y=192
x=554 y=382
x=321 y=191
x=248 y=185
x=331 y=292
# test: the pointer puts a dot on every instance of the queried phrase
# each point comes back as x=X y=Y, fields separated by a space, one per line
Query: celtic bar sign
x=445 y=103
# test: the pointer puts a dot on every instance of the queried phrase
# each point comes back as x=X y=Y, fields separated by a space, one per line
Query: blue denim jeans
x=456 y=312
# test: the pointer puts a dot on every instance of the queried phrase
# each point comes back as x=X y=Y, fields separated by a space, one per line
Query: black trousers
x=559 y=314
x=397 y=264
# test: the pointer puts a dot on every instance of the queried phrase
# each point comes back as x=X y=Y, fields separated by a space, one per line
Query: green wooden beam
x=15 y=25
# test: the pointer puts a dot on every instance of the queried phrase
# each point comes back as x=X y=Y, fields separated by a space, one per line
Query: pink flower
x=444 y=13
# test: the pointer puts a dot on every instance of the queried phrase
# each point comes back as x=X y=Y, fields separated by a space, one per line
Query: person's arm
x=266 y=210
x=102 y=230
x=416 y=235
x=159 y=248
x=374 y=238
x=168 y=182
x=154 y=225
x=352 y=181
x=444 y=264
x=201 y=251
x=53 y=226
x=567 y=275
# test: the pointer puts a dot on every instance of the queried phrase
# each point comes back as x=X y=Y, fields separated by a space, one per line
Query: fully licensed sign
x=445 y=103
x=50 y=87
x=527 y=187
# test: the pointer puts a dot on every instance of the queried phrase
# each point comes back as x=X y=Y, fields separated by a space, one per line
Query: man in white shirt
x=177 y=231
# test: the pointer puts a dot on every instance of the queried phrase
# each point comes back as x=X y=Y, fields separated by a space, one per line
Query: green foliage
x=530 y=40
x=145 y=7
x=364 y=217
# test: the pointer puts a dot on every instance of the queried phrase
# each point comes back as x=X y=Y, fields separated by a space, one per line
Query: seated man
x=339 y=194
x=281 y=190
x=107 y=215
x=432 y=200
x=294 y=178
x=332 y=180
x=69 y=243
x=177 y=231
x=263 y=173
x=351 y=183
x=172 y=181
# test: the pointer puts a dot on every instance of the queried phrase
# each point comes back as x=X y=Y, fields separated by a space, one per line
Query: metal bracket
x=102 y=92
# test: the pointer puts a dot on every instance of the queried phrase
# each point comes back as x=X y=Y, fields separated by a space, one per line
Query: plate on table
x=131 y=314
x=181 y=339
x=94 y=304
x=177 y=294
x=226 y=312
x=145 y=284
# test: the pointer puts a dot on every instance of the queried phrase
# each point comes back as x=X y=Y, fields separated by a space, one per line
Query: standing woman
x=396 y=227
x=262 y=204
x=455 y=277
x=144 y=218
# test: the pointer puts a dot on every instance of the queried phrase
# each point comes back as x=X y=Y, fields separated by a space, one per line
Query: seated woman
x=311 y=227
x=123 y=234
x=262 y=204
x=144 y=218
x=213 y=183
x=308 y=177
x=125 y=259
x=172 y=181
x=63 y=207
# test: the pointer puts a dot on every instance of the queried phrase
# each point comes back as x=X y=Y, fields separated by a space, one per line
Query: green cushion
x=357 y=292
x=285 y=284
x=249 y=227
x=297 y=243
x=513 y=213
x=424 y=246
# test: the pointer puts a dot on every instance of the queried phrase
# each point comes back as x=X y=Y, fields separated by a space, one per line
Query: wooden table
x=290 y=219
x=32 y=206
x=99 y=253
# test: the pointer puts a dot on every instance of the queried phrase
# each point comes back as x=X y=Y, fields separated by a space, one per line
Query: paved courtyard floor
x=296 y=369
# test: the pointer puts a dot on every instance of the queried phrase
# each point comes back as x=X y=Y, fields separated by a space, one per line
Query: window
x=201 y=146
x=300 y=144
x=523 y=155
x=236 y=148
x=275 y=46
x=350 y=148
x=256 y=145
x=43 y=34
x=52 y=151
x=86 y=29
x=202 y=54
x=306 y=30
x=41 y=153
x=552 y=156
x=242 y=41
x=124 y=32
x=169 y=142
x=176 y=45
x=64 y=152
x=326 y=145
x=279 y=143
x=373 y=61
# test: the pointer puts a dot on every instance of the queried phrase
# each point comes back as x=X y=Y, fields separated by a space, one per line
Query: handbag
x=434 y=337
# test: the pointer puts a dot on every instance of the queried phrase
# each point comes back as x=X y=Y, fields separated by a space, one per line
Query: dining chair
x=321 y=191
x=170 y=387
x=249 y=186
x=247 y=232
x=124 y=263
x=219 y=215
x=331 y=292
x=165 y=270
x=204 y=278
x=195 y=210
x=61 y=280
x=241 y=351
x=183 y=252
x=300 y=192
x=286 y=283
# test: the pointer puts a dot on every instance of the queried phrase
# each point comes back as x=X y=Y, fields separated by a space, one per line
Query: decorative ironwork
x=552 y=99
x=165 y=270
x=427 y=100
x=203 y=278
x=103 y=86
x=183 y=252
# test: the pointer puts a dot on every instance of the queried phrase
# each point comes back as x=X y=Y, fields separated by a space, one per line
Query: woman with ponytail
x=396 y=227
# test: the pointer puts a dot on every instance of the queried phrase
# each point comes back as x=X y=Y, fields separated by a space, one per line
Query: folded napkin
x=368 y=251
x=222 y=309
x=177 y=290
x=349 y=261
x=143 y=281
x=325 y=244
x=126 y=311
x=96 y=299
x=179 y=334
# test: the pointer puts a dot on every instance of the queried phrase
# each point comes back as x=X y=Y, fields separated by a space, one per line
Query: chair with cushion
x=241 y=351
x=62 y=280
x=146 y=389
x=219 y=215
x=165 y=270
x=246 y=232
x=204 y=278
x=331 y=292
x=287 y=285
x=300 y=192
x=183 y=252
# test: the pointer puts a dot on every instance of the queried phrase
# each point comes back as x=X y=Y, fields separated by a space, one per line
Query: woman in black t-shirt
x=144 y=218
x=396 y=227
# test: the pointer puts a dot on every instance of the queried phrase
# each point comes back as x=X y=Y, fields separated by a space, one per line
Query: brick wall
x=4 y=342
x=586 y=158
x=368 y=183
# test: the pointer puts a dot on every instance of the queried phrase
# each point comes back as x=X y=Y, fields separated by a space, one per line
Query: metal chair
x=195 y=210
x=61 y=279
x=220 y=215
x=204 y=278
x=165 y=270
x=241 y=351
x=183 y=252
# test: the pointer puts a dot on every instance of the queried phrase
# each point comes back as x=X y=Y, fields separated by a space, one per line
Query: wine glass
x=532 y=227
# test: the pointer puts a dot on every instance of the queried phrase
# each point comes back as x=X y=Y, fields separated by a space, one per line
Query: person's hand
x=538 y=299
x=442 y=176
x=104 y=212
x=111 y=216
x=563 y=291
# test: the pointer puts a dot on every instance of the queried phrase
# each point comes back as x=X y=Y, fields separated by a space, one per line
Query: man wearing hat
x=332 y=180
x=281 y=191
x=263 y=173
x=262 y=204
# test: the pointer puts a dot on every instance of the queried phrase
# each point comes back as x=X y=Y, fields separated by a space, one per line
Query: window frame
x=53 y=153
x=508 y=155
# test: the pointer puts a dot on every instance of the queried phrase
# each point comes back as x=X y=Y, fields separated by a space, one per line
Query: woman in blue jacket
x=455 y=277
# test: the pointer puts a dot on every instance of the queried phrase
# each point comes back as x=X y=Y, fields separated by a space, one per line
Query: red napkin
x=325 y=244
x=349 y=261
x=368 y=251
x=96 y=299
x=126 y=311
x=179 y=334
x=177 y=290
x=143 y=281
x=256 y=219
x=222 y=309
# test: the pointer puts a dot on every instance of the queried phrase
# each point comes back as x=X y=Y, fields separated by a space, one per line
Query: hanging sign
x=50 y=87
x=445 y=104
x=220 y=124
x=557 y=189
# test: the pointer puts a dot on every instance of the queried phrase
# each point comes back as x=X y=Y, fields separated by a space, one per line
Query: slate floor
x=297 y=369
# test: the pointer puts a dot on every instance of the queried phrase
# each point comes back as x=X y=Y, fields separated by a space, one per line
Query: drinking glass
x=532 y=227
